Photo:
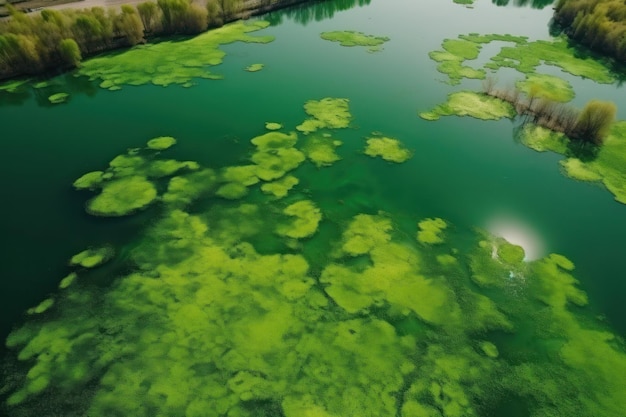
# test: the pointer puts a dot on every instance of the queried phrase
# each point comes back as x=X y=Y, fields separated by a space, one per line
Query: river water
x=471 y=173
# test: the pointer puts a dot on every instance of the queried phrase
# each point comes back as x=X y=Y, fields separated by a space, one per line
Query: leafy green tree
x=70 y=52
x=150 y=15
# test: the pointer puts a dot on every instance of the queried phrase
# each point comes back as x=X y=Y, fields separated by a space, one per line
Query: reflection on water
x=535 y=4
x=316 y=12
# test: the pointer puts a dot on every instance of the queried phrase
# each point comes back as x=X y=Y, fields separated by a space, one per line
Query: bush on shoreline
x=53 y=40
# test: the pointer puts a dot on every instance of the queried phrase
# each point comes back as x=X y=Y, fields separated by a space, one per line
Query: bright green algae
x=388 y=149
x=351 y=38
x=58 y=98
x=205 y=323
x=170 y=62
x=468 y=103
x=523 y=56
x=547 y=87
x=254 y=67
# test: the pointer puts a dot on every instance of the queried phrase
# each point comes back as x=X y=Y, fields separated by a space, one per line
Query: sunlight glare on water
x=518 y=232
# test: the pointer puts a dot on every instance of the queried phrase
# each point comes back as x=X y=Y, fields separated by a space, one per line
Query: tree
x=150 y=16
x=594 y=121
x=70 y=52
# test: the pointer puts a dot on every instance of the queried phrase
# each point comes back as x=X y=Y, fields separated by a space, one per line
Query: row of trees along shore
x=597 y=24
x=590 y=125
x=52 y=40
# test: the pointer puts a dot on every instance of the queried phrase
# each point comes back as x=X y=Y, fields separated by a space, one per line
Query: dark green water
x=467 y=171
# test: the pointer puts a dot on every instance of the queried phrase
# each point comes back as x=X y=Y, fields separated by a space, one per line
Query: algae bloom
x=58 y=98
x=351 y=38
x=387 y=148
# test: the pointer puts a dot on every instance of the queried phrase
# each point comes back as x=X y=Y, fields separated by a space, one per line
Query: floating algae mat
x=352 y=38
x=522 y=55
x=243 y=304
x=170 y=62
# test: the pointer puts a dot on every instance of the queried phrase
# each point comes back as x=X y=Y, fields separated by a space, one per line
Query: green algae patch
x=468 y=103
x=91 y=258
x=244 y=174
x=510 y=253
x=306 y=218
x=321 y=150
x=461 y=48
x=275 y=155
x=578 y=170
x=431 y=231
x=274 y=140
x=526 y=57
x=123 y=197
x=255 y=67
x=351 y=38
x=547 y=87
x=89 y=181
x=364 y=233
x=161 y=143
x=68 y=280
x=387 y=148
x=489 y=349
x=328 y=113
x=232 y=191
x=42 y=307
x=541 y=139
x=280 y=188
x=523 y=56
x=58 y=98
x=170 y=62
x=219 y=311
x=273 y=126
x=184 y=190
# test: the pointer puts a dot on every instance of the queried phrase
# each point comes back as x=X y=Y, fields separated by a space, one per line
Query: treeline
x=51 y=40
x=598 y=24
x=590 y=125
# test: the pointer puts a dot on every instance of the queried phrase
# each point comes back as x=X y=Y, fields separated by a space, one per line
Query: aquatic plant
x=122 y=197
x=255 y=67
x=161 y=143
x=329 y=113
x=273 y=126
x=184 y=60
x=236 y=308
x=351 y=38
x=387 y=148
x=280 y=188
x=321 y=150
x=90 y=258
x=306 y=218
x=546 y=86
x=431 y=230
x=58 y=98
x=468 y=103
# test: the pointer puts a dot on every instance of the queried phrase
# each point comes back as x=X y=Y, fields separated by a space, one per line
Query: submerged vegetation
x=251 y=307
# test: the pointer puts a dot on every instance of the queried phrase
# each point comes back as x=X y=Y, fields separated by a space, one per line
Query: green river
x=286 y=272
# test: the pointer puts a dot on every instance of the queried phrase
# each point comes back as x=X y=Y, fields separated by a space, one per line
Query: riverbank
x=80 y=32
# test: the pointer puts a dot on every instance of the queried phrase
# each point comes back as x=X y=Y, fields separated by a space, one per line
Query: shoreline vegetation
x=597 y=24
x=589 y=125
x=58 y=40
